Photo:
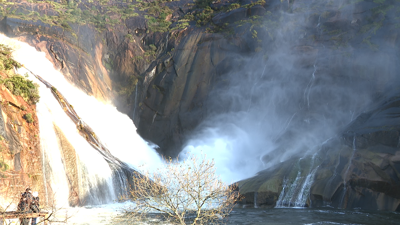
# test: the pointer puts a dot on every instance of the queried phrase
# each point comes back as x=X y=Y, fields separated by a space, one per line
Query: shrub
x=189 y=191
x=233 y=6
x=203 y=3
x=6 y=61
x=19 y=85
x=28 y=117
x=66 y=25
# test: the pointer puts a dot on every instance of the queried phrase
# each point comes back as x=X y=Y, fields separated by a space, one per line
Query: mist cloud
x=310 y=79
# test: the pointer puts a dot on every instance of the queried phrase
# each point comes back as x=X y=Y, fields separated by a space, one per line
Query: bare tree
x=181 y=192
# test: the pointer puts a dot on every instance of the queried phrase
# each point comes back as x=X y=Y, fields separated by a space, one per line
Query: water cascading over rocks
x=320 y=67
x=82 y=167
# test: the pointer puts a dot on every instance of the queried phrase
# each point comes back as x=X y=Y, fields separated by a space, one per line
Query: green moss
x=274 y=185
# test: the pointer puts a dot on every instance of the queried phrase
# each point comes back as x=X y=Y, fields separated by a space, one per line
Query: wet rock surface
x=359 y=169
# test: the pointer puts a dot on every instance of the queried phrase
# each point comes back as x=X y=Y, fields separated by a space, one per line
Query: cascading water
x=299 y=191
x=286 y=197
x=275 y=104
x=98 y=182
x=304 y=193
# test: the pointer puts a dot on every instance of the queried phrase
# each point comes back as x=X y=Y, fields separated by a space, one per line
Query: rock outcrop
x=20 y=154
x=360 y=169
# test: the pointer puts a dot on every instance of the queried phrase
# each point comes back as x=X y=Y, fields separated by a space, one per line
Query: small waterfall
x=304 y=193
x=135 y=104
x=346 y=173
x=279 y=203
x=285 y=200
x=255 y=199
x=298 y=192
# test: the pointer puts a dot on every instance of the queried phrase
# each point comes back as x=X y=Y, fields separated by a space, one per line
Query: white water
x=114 y=129
x=285 y=199
x=304 y=193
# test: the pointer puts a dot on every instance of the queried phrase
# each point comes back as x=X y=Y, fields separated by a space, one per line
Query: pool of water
x=308 y=216
x=106 y=215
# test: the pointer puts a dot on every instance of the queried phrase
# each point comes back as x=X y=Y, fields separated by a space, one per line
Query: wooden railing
x=21 y=215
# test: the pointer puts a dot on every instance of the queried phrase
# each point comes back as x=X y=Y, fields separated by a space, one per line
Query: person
x=35 y=206
x=24 y=205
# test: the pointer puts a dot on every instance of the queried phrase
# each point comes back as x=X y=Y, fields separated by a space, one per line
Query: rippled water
x=311 y=216
x=304 y=216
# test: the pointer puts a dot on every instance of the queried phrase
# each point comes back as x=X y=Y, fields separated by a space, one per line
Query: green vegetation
x=19 y=85
x=157 y=15
x=130 y=37
x=97 y=13
x=6 y=61
x=28 y=117
x=151 y=52
x=205 y=16
x=130 y=88
x=259 y=2
x=3 y=166
x=203 y=3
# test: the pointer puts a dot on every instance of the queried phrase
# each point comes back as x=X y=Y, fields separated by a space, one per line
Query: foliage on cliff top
x=6 y=61
x=17 y=84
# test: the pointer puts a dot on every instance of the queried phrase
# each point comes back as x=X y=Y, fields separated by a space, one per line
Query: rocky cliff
x=154 y=60
x=170 y=64
x=20 y=153
x=358 y=169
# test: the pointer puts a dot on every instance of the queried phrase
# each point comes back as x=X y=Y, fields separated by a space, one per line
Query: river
x=249 y=216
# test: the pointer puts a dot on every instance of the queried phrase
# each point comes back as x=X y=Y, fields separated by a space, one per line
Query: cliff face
x=116 y=53
x=359 y=169
x=20 y=154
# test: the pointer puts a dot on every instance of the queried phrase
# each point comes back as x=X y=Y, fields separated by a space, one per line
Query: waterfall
x=299 y=191
x=255 y=199
x=95 y=181
x=134 y=106
x=304 y=193
x=279 y=202
x=286 y=199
